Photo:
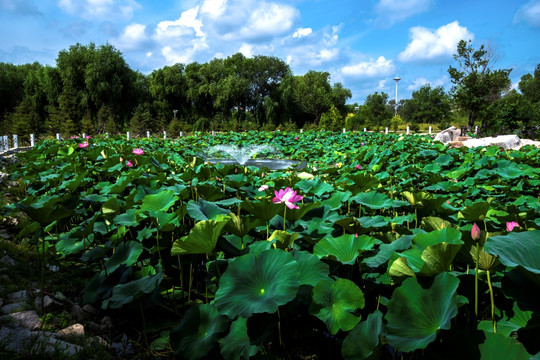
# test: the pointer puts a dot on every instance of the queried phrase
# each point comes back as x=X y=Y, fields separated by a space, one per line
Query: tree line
x=93 y=90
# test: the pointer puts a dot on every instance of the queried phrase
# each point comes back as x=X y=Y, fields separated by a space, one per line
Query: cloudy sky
x=362 y=43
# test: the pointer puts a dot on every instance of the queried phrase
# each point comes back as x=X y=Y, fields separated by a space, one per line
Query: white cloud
x=382 y=84
x=390 y=12
x=529 y=13
x=100 y=9
x=370 y=69
x=187 y=25
x=133 y=37
x=246 y=50
x=434 y=46
x=302 y=32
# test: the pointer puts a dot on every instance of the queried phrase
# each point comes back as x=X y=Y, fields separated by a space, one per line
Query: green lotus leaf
x=236 y=345
x=127 y=219
x=202 y=238
x=199 y=331
x=205 y=210
x=415 y=315
x=345 y=248
x=360 y=341
x=296 y=214
x=264 y=209
x=400 y=269
x=361 y=182
x=68 y=245
x=123 y=294
x=475 y=212
x=312 y=269
x=282 y=239
x=386 y=250
x=335 y=303
x=236 y=180
x=374 y=221
x=517 y=249
x=242 y=225
x=508 y=169
x=430 y=223
x=161 y=201
x=257 y=283
x=507 y=326
x=315 y=186
x=127 y=253
x=337 y=199
x=439 y=249
x=110 y=207
x=373 y=200
x=500 y=347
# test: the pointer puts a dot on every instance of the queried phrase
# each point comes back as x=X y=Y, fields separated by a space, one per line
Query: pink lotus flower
x=511 y=225
x=74 y=137
x=263 y=188
x=83 y=145
x=362 y=144
x=129 y=163
x=296 y=138
x=475 y=232
x=358 y=167
x=287 y=196
x=88 y=137
x=138 y=151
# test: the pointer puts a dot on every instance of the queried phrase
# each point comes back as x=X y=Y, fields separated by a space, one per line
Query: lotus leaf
x=373 y=200
x=236 y=345
x=123 y=294
x=415 y=315
x=127 y=253
x=198 y=332
x=257 y=283
x=312 y=269
x=161 y=201
x=345 y=248
x=361 y=341
x=517 y=249
x=335 y=303
x=500 y=347
x=205 y=210
x=202 y=237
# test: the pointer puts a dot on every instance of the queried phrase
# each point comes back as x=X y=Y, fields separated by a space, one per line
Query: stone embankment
x=452 y=137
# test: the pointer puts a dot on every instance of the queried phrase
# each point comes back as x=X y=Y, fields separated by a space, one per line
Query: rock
x=18 y=296
x=14 y=307
x=106 y=323
x=19 y=339
x=447 y=135
x=77 y=313
x=48 y=302
x=27 y=319
x=97 y=341
x=73 y=330
x=7 y=261
x=4 y=234
x=90 y=309
x=505 y=141
x=50 y=345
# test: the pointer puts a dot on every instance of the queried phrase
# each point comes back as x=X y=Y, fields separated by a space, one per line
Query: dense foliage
x=381 y=246
x=92 y=90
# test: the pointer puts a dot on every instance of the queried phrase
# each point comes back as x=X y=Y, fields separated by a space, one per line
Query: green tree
x=427 y=105
x=376 y=109
x=529 y=85
x=476 y=84
x=514 y=113
x=313 y=93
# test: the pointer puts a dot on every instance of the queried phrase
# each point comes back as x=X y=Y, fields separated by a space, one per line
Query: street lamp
x=396 y=79
x=174 y=112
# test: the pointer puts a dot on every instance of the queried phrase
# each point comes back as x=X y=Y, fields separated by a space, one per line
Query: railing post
x=181 y=134
x=386 y=130
x=84 y=135
x=365 y=130
x=147 y=133
x=128 y=135
x=164 y=135
x=429 y=129
x=32 y=140
x=58 y=137
x=407 y=129
x=301 y=130
x=6 y=142
x=15 y=141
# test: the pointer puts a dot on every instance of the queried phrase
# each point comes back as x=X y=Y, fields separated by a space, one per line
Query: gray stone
x=73 y=330
x=77 y=313
x=7 y=261
x=90 y=309
x=15 y=339
x=504 y=141
x=18 y=296
x=48 y=302
x=447 y=135
x=51 y=346
x=4 y=234
x=14 y=307
x=27 y=319
x=97 y=341
x=106 y=323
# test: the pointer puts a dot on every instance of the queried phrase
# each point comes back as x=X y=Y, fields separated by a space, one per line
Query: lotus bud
x=511 y=225
x=475 y=232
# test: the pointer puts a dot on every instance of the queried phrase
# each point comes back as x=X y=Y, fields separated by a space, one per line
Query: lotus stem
x=476 y=279
x=492 y=302
x=157 y=244
x=285 y=218
x=181 y=275
x=190 y=278
x=279 y=328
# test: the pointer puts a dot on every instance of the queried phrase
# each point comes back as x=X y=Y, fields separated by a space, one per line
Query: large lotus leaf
x=508 y=169
x=517 y=249
x=202 y=238
x=415 y=315
x=264 y=209
x=315 y=186
x=374 y=221
x=439 y=249
x=204 y=210
x=242 y=225
x=39 y=209
x=373 y=200
x=500 y=347
x=400 y=269
x=345 y=248
x=257 y=283
x=386 y=250
x=361 y=182
x=507 y=326
x=430 y=223
x=282 y=239
x=485 y=261
x=475 y=212
x=337 y=199
x=236 y=345
x=296 y=214
x=199 y=331
x=68 y=245
x=110 y=207
x=127 y=219
x=127 y=253
x=335 y=303
x=123 y=294
x=360 y=341
x=312 y=269
x=161 y=201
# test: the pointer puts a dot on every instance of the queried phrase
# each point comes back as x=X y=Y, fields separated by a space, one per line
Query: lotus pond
x=382 y=247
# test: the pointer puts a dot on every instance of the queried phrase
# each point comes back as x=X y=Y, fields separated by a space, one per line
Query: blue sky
x=362 y=43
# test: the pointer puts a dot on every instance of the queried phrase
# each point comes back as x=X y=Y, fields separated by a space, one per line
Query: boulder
x=447 y=135
x=504 y=141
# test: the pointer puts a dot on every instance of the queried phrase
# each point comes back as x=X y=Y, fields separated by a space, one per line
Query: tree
x=514 y=113
x=427 y=105
x=476 y=84
x=530 y=85
x=377 y=109
x=313 y=93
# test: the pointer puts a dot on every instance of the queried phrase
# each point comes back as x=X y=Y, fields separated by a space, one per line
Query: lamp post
x=174 y=112
x=396 y=79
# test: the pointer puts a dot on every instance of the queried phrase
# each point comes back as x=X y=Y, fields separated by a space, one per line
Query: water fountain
x=245 y=155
